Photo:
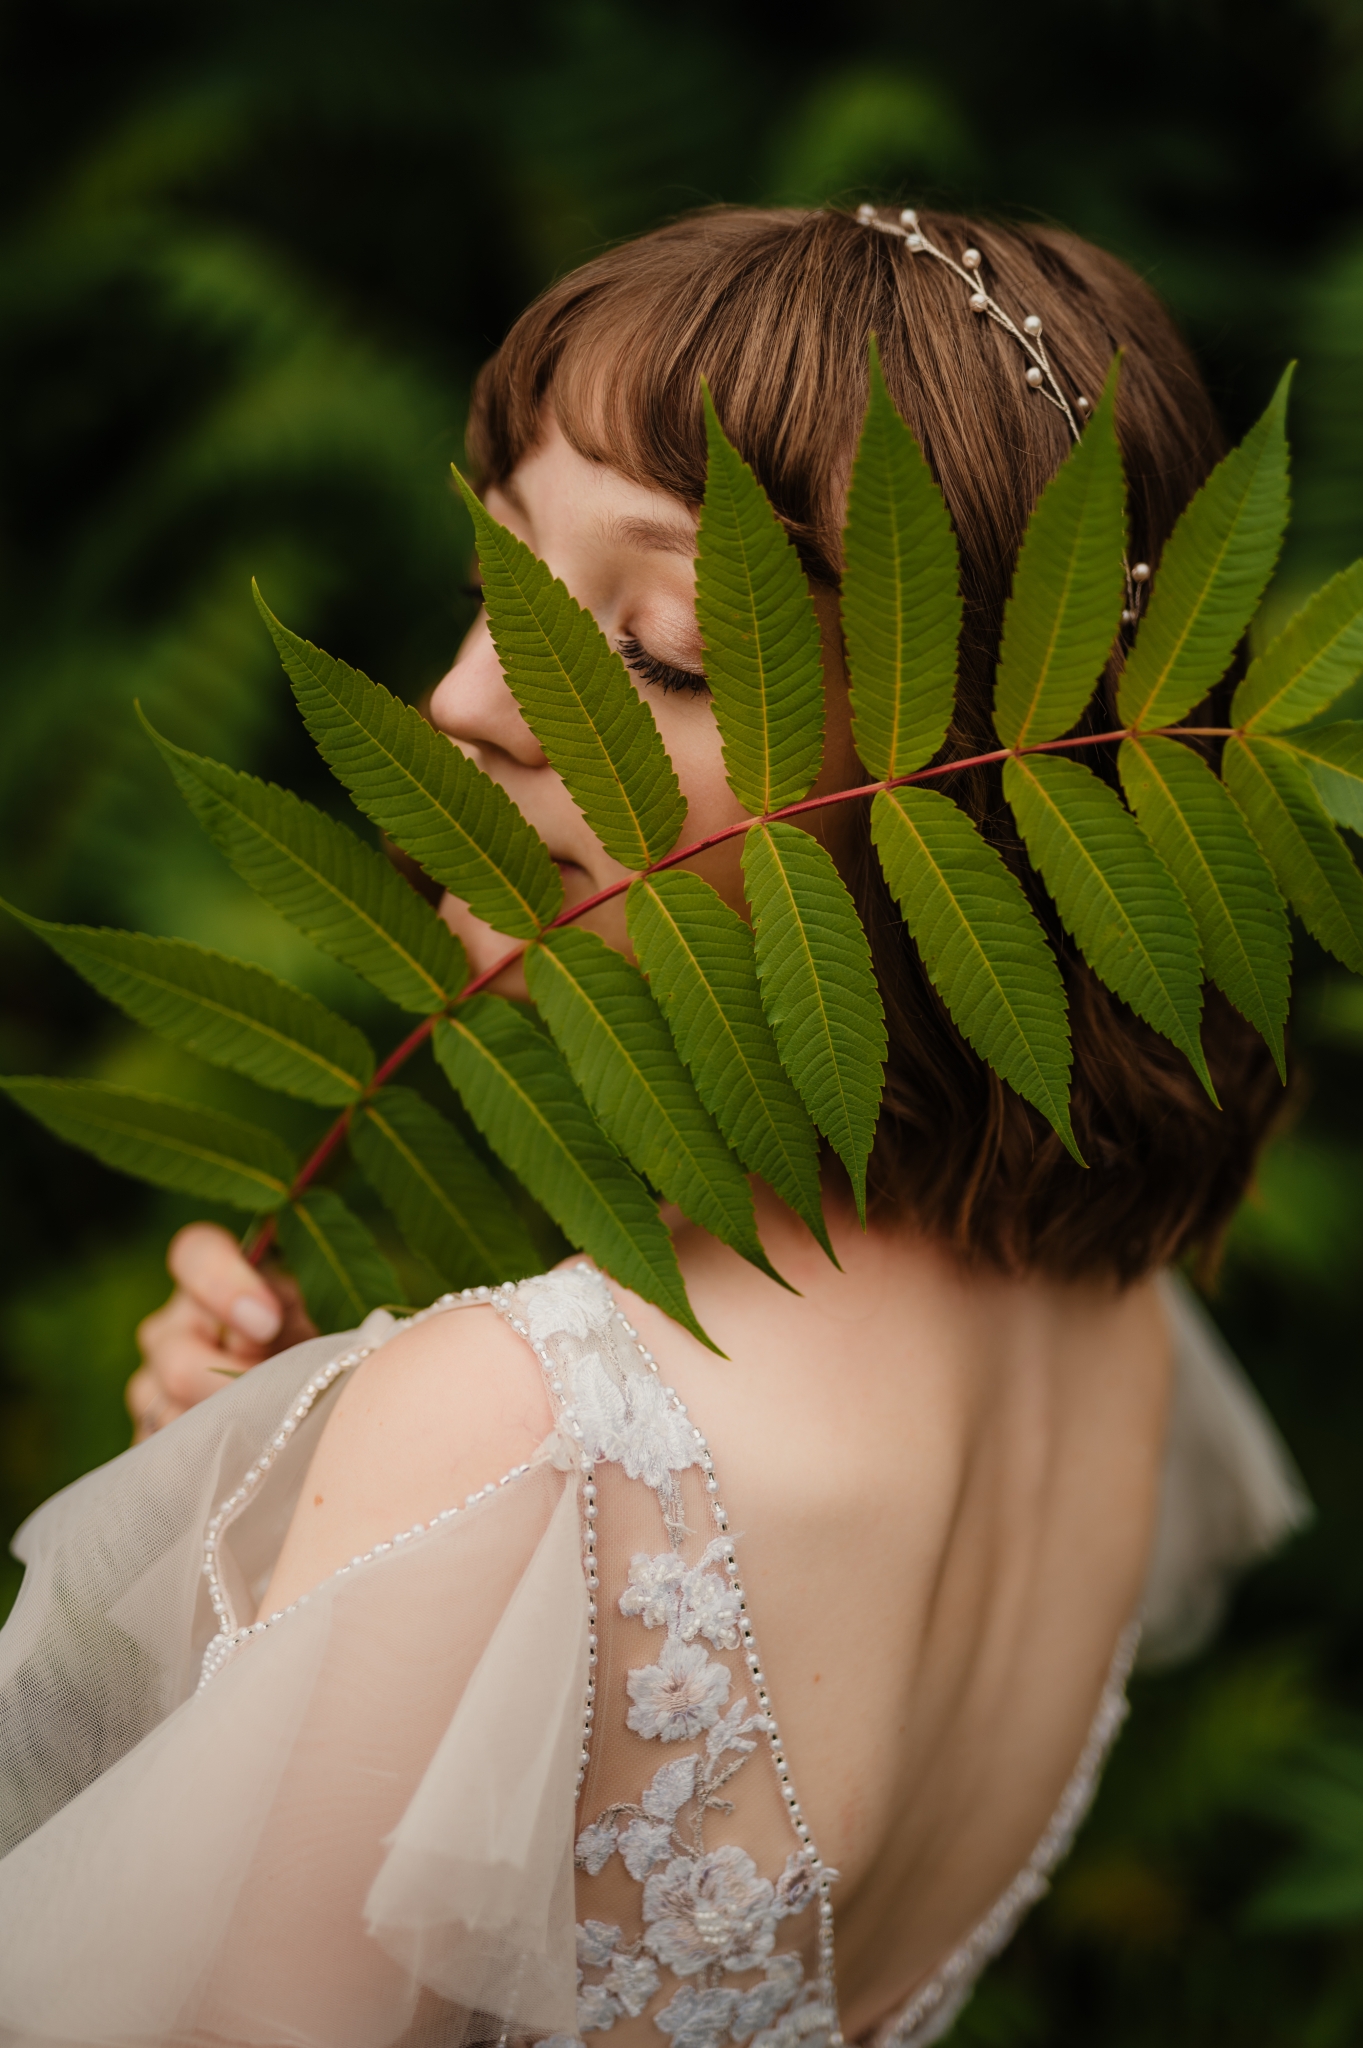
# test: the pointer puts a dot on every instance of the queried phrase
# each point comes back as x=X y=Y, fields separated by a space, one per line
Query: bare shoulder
x=445 y=1406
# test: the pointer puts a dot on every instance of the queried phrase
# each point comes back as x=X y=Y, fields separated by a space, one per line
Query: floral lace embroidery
x=708 y=1914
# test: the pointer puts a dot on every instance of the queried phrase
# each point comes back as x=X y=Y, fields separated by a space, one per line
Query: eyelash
x=637 y=657
x=649 y=669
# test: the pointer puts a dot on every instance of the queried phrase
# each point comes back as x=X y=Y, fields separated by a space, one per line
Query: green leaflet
x=225 y=1011
x=1066 y=604
x=339 y=892
x=620 y=1052
x=1114 y=894
x=901 y=604
x=818 y=989
x=578 y=699
x=763 y=655
x=1314 y=658
x=1213 y=571
x=702 y=971
x=1333 y=757
x=1310 y=861
x=335 y=1260
x=513 y=1081
x=1197 y=831
x=987 y=956
x=442 y=1197
x=417 y=786
x=172 y=1144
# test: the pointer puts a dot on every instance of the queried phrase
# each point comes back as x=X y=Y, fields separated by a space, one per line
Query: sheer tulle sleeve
x=1230 y=1492
x=358 y=1831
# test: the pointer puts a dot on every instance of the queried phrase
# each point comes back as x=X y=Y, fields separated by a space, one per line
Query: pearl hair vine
x=1038 y=376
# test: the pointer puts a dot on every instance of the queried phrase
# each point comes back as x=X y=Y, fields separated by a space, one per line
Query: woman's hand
x=223 y=1318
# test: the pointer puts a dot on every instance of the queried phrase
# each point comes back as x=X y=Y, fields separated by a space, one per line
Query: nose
x=473 y=704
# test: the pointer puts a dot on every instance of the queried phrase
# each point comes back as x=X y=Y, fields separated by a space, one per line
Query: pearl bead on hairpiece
x=1038 y=376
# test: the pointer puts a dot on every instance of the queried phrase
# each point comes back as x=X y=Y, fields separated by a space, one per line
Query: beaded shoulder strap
x=698 y=1942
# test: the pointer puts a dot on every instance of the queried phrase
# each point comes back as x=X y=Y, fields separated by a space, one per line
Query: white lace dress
x=516 y=1774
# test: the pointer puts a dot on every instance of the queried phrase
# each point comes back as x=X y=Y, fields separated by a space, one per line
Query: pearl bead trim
x=230 y=1634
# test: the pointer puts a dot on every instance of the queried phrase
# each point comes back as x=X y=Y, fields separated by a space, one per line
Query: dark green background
x=250 y=257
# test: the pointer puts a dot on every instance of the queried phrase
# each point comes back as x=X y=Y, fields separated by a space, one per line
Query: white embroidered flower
x=732 y=1732
x=575 y=1304
x=652 y=1589
x=632 y=1981
x=672 y=1786
x=599 y=1406
x=596 y=1940
x=696 y=2019
x=796 y=1887
x=709 y=1909
x=709 y=1608
x=679 y=1696
x=657 y=1440
x=808 y=2026
x=644 y=1844
x=758 y=2007
x=595 y=1847
x=597 y=2011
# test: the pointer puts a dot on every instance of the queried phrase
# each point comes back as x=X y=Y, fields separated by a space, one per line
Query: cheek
x=691 y=736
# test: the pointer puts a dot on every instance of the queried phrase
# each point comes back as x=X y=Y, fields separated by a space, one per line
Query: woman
x=790 y=1716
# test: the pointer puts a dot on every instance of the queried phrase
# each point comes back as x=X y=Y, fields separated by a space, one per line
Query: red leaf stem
x=312 y=1166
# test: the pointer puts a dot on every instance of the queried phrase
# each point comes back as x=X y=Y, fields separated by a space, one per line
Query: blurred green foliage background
x=250 y=258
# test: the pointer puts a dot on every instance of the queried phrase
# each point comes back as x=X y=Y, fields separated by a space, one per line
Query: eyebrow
x=663 y=536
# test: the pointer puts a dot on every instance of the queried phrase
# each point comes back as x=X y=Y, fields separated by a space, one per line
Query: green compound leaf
x=987 y=956
x=456 y=822
x=172 y=1144
x=763 y=656
x=1314 y=658
x=513 y=1082
x=337 y=891
x=620 y=1053
x=818 y=989
x=1213 y=571
x=335 y=1260
x=702 y=971
x=1194 y=826
x=901 y=602
x=442 y=1197
x=1333 y=757
x=1310 y=861
x=578 y=699
x=221 y=1009
x=1066 y=605
x=1116 y=897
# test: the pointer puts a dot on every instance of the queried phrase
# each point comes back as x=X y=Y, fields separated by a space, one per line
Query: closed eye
x=661 y=674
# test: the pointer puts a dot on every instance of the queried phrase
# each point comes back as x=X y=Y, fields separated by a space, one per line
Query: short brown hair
x=774 y=309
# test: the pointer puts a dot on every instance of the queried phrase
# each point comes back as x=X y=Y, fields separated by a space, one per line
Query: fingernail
x=256 y=1319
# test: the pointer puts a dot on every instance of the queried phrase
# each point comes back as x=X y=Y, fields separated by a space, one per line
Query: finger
x=209 y=1265
x=149 y=1407
x=189 y=1370
x=298 y=1324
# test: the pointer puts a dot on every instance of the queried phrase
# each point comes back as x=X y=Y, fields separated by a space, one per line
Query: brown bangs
x=773 y=309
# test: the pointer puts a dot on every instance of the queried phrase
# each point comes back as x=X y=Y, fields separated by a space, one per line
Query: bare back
x=943 y=1486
